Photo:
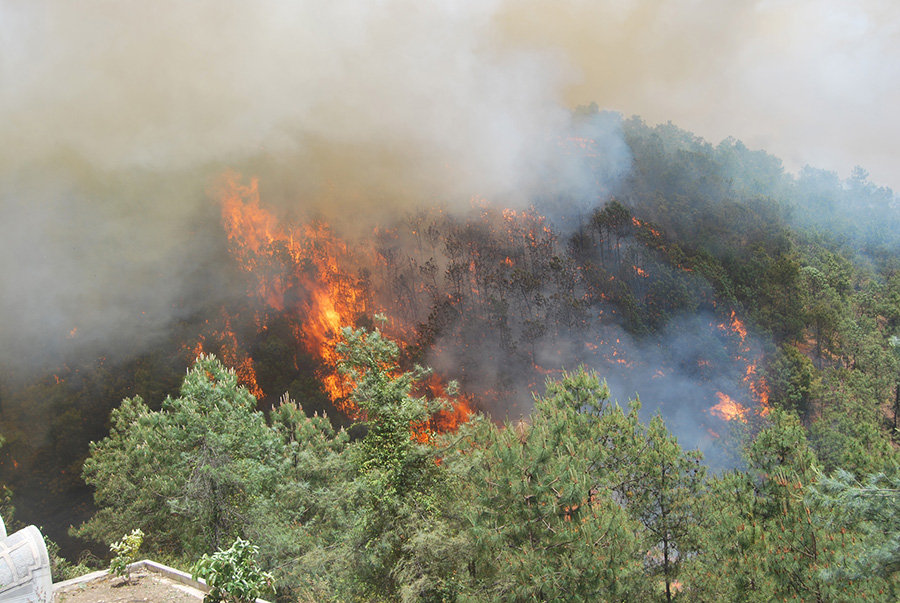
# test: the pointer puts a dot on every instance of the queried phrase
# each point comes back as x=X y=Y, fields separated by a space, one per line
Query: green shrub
x=233 y=575
x=125 y=551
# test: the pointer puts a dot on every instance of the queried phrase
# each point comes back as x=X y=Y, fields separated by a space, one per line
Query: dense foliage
x=232 y=574
x=580 y=501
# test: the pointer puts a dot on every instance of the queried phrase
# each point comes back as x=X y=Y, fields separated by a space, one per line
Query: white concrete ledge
x=151 y=566
x=66 y=584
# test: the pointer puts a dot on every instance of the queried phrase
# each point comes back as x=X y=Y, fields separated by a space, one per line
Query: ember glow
x=459 y=409
x=738 y=327
x=641 y=224
x=233 y=355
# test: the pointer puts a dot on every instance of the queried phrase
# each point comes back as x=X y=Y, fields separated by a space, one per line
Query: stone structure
x=24 y=567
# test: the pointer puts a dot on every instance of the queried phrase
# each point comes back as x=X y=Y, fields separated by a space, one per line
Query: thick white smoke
x=428 y=83
x=116 y=116
x=397 y=96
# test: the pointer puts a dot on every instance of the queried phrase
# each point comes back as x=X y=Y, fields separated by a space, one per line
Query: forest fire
x=231 y=354
x=466 y=170
x=641 y=224
x=296 y=272
x=583 y=147
x=755 y=383
x=738 y=327
x=308 y=273
x=447 y=419
x=489 y=296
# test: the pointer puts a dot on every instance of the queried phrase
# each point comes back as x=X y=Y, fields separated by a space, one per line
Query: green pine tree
x=663 y=494
x=870 y=511
x=546 y=521
x=399 y=545
x=189 y=474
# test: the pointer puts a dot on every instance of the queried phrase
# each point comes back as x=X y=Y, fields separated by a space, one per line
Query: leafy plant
x=233 y=575
x=126 y=551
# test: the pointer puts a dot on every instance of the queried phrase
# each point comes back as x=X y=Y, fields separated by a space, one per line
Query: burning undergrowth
x=496 y=298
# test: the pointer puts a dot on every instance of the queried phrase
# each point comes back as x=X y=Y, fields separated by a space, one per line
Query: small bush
x=232 y=575
x=125 y=552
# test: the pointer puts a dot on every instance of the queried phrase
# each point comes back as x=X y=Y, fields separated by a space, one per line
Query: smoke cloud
x=397 y=98
x=117 y=117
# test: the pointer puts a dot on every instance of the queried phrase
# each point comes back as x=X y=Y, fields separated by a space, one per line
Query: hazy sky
x=468 y=82
x=812 y=81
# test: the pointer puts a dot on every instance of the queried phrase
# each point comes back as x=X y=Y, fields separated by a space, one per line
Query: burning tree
x=495 y=298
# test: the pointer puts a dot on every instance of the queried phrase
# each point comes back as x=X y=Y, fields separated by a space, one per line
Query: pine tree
x=398 y=546
x=870 y=509
x=546 y=522
x=187 y=475
x=802 y=544
x=664 y=496
x=731 y=561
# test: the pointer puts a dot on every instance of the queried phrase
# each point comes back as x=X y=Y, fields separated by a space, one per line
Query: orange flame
x=230 y=353
x=755 y=382
x=306 y=272
x=738 y=326
x=323 y=293
x=641 y=224
x=585 y=147
x=246 y=224
x=728 y=409
x=445 y=420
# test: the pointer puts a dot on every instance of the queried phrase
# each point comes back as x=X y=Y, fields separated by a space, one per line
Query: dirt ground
x=144 y=587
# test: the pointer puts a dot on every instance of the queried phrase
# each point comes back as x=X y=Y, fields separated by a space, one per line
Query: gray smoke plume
x=117 y=119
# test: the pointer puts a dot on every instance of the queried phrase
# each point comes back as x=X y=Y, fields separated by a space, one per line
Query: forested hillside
x=714 y=350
